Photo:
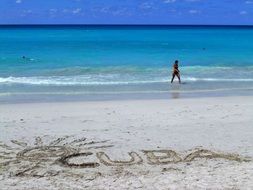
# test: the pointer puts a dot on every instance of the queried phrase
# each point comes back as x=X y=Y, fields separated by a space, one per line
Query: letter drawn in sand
x=104 y=158
x=157 y=157
x=203 y=153
x=66 y=161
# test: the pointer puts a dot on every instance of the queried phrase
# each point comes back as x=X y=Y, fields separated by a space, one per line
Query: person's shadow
x=175 y=95
x=175 y=91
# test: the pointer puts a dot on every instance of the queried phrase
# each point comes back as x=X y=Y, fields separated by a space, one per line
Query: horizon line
x=198 y=25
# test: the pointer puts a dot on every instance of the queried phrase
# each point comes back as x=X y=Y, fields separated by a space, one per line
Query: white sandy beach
x=204 y=143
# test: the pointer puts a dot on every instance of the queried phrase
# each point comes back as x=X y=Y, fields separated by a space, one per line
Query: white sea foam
x=67 y=81
x=87 y=80
x=220 y=79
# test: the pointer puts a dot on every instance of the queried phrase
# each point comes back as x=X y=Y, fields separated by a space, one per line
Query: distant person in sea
x=175 y=72
x=27 y=58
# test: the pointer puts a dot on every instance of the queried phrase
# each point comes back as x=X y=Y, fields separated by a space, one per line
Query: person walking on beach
x=175 y=72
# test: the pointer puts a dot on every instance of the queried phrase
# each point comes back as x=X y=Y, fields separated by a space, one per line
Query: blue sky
x=126 y=12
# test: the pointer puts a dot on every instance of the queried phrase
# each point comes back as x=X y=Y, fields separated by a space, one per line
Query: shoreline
x=84 y=97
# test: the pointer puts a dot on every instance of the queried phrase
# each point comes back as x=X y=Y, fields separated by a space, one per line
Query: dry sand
x=202 y=143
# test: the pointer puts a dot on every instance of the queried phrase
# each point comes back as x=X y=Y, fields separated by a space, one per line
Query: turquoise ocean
x=99 y=61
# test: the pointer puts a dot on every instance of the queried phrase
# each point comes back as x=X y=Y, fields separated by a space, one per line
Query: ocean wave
x=219 y=79
x=68 y=81
x=79 y=70
x=88 y=80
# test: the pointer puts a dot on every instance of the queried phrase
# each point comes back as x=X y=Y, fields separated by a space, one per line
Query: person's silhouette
x=175 y=72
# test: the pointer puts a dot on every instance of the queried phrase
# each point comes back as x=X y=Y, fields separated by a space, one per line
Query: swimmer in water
x=27 y=58
x=175 y=72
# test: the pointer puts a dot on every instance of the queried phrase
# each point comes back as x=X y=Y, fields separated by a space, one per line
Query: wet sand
x=146 y=144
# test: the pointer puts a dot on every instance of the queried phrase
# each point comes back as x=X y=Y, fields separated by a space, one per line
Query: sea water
x=121 y=60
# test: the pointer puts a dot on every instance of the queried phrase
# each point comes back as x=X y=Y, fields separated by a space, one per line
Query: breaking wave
x=102 y=80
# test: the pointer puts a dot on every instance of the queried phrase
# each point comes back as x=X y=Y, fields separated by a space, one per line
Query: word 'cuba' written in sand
x=154 y=157
x=42 y=158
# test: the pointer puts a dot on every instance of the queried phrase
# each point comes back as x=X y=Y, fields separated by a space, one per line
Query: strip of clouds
x=53 y=12
x=26 y=12
x=243 y=12
x=174 y=1
x=76 y=11
x=169 y=1
x=73 y=11
x=146 y=5
x=194 y=11
x=249 y=2
x=192 y=0
x=113 y=10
